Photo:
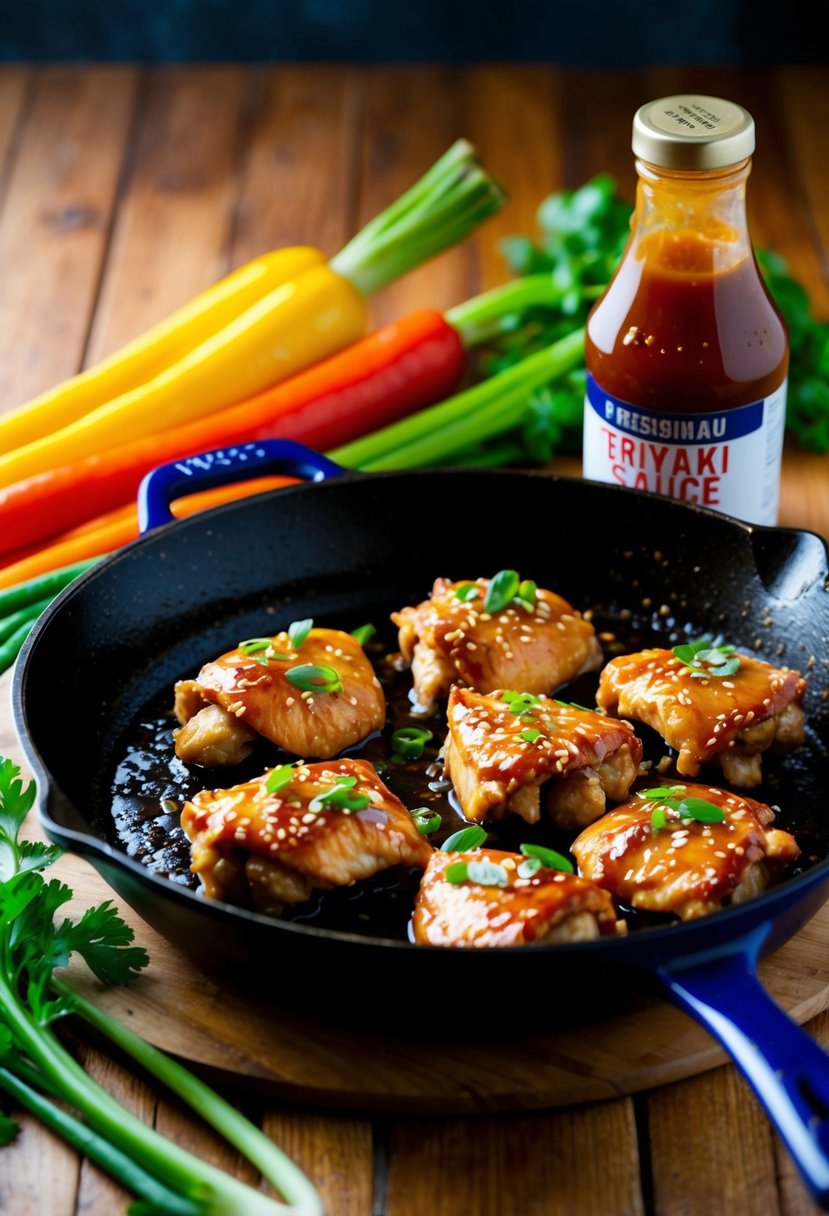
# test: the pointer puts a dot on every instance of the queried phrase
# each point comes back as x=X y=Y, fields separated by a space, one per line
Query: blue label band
x=719 y=427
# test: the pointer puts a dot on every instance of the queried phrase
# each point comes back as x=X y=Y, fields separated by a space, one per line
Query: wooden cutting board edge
x=240 y=1041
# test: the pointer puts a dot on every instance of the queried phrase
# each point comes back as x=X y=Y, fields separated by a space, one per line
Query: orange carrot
x=119 y=527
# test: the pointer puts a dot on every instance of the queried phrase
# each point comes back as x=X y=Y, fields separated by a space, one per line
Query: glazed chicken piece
x=505 y=751
x=247 y=692
x=546 y=906
x=448 y=639
x=686 y=867
x=728 y=720
x=254 y=847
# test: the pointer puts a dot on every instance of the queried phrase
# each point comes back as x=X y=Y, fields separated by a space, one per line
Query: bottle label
x=728 y=460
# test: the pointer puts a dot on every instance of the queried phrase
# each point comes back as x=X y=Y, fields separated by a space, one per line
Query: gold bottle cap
x=691 y=131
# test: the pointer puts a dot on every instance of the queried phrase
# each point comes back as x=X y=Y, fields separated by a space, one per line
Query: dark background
x=579 y=33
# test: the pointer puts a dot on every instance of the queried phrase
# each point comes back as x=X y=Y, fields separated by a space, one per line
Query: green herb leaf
x=298 y=632
x=278 y=778
x=487 y=873
x=254 y=645
x=701 y=810
x=657 y=793
x=521 y=704
x=410 y=741
x=528 y=867
x=456 y=873
x=340 y=797
x=502 y=589
x=464 y=840
x=530 y=736
x=363 y=633
x=467 y=592
x=659 y=818
x=548 y=857
x=527 y=593
x=314 y=677
x=704 y=660
x=426 y=820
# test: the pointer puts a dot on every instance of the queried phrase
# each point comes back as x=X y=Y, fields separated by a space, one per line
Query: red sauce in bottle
x=686 y=353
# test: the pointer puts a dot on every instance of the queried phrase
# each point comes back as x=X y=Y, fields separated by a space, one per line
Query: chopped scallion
x=314 y=677
x=464 y=840
x=298 y=632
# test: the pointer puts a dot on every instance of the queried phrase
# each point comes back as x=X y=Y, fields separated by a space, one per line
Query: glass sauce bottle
x=686 y=353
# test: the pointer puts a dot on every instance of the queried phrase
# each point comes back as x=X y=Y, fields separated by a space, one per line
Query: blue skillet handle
x=786 y=1068
x=240 y=463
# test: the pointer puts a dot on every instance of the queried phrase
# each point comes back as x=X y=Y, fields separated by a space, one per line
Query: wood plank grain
x=15 y=90
x=512 y=115
x=170 y=239
x=297 y=182
x=412 y=116
x=711 y=1148
x=55 y=223
x=597 y=113
x=98 y=1194
x=38 y=1173
x=517 y=1167
x=803 y=96
x=335 y=1152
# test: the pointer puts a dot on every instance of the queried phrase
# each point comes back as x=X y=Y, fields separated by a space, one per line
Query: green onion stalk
x=434 y=435
x=440 y=209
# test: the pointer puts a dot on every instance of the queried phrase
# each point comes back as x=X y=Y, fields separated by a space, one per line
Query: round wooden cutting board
x=181 y=1009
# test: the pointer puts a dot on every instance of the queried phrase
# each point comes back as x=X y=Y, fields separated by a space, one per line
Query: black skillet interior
x=351 y=550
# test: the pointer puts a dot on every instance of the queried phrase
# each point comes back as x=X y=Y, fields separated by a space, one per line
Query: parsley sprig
x=41 y=1075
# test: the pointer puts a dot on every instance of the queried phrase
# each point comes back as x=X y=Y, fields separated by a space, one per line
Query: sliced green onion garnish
x=528 y=867
x=279 y=778
x=456 y=873
x=299 y=631
x=487 y=873
x=701 y=810
x=254 y=645
x=702 y=659
x=464 y=840
x=527 y=592
x=670 y=798
x=170 y=806
x=548 y=857
x=467 y=592
x=314 y=677
x=530 y=736
x=426 y=820
x=341 y=797
x=409 y=741
x=659 y=792
x=575 y=705
x=521 y=704
x=363 y=633
x=502 y=590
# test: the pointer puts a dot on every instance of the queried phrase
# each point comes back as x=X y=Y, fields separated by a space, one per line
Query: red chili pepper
x=398 y=369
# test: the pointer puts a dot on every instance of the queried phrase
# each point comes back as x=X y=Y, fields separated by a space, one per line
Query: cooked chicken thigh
x=249 y=692
x=508 y=909
x=729 y=721
x=684 y=866
x=450 y=638
x=505 y=751
x=272 y=841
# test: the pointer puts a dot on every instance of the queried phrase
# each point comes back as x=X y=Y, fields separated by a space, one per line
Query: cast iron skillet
x=338 y=550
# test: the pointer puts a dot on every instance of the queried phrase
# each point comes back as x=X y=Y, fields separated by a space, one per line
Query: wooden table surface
x=125 y=191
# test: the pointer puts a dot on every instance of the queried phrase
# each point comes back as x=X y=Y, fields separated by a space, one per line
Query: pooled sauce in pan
x=150 y=784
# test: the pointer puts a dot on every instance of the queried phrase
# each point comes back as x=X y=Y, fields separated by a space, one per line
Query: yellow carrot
x=161 y=346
